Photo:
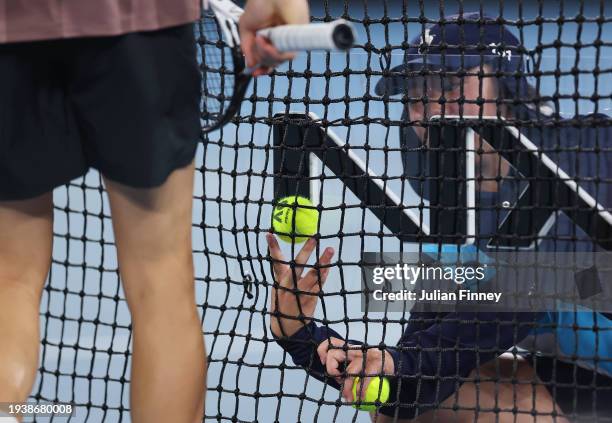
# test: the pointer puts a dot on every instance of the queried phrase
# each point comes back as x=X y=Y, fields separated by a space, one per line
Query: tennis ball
x=371 y=395
x=292 y=222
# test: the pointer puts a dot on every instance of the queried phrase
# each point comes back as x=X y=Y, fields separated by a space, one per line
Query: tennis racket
x=225 y=75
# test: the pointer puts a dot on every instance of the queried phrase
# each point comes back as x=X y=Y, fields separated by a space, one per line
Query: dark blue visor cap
x=461 y=43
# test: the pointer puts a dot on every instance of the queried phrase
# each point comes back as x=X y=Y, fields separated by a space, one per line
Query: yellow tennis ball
x=295 y=219
x=372 y=393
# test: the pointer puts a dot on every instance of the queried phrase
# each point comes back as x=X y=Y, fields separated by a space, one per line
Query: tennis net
x=455 y=134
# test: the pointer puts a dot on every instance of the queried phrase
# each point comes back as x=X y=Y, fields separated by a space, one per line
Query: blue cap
x=460 y=42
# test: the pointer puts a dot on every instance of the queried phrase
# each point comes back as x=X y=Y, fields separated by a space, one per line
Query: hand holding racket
x=225 y=74
x=258 y=14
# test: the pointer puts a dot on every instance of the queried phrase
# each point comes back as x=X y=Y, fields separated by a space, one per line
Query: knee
x=18 y=369
x=162 y=289
x=507 y=368
x=12 y=389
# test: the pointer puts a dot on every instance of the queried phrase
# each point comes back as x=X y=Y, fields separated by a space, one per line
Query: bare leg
x=473 y=397
x=153 y=233
x=26 y=234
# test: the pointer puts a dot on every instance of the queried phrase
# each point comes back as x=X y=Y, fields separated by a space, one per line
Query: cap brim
x=395 y=83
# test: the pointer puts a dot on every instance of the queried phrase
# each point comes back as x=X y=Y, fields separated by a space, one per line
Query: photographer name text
x=436 y=295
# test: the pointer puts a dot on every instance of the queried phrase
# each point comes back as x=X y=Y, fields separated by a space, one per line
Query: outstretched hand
x=295 y=295
x=259 y=52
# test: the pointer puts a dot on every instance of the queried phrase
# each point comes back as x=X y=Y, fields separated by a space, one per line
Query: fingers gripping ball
x=295 y=219
x=374 y=392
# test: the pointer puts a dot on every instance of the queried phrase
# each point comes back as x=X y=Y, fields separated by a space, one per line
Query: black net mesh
x=442 y=131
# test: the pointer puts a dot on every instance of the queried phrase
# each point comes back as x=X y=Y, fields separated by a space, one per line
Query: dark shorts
x=579 y=392
x=125 y=105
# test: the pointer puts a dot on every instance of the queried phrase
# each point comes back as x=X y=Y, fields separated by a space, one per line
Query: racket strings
x=218 y=71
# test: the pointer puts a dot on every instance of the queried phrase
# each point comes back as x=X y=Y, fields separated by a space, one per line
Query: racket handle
x=336 y=35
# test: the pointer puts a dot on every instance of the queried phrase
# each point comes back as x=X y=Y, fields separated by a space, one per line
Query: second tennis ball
x=295 y=219
x=372 y=393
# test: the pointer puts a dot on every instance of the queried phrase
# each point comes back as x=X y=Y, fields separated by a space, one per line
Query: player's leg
x=39 y=150
x=137 y=101
x=25 y=254
x=491 y=401
x=153 y=235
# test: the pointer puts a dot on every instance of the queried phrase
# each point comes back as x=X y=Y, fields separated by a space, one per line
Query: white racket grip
x=336 y=35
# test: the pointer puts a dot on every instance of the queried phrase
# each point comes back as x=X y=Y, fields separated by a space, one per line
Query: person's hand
x=291 y=310
x=335 y=353
x=259 y=14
